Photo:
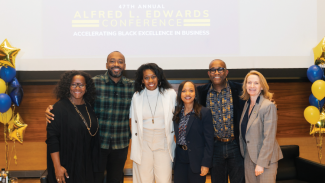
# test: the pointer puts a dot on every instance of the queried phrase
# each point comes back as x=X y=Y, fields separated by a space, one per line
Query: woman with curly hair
x=151 y=113
x=72 y=136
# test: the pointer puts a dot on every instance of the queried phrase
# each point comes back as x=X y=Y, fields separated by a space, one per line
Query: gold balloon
x=8 y=54
x=16 y=128
x=3 y=86
x=319 y=127
x=319 y=49
x=6 y=116
x=311 y=114
x=318 y=89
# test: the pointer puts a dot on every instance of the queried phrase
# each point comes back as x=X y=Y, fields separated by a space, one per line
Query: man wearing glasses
x=222 y=97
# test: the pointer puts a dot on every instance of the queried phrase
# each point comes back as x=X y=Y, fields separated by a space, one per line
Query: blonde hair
x=265 y=92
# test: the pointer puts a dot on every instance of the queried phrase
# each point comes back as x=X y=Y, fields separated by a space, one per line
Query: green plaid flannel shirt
x=112 y=108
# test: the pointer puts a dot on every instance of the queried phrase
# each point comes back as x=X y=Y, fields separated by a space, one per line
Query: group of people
x=223 y=127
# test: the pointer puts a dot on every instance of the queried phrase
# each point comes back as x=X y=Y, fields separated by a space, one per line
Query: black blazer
x=238 y=104
x=199 y=139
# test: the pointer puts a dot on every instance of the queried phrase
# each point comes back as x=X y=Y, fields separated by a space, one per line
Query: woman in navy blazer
x=194 y=136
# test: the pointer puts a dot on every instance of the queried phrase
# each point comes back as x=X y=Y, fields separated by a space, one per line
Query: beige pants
x=268 y=176
x=156 y=164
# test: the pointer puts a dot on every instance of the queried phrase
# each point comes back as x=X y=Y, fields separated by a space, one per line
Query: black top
x=236 y=90
x=68 y=135
x=246 y=118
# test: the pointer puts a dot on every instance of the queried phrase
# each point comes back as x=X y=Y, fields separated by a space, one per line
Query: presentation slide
x=175 y=34
x=145 y=28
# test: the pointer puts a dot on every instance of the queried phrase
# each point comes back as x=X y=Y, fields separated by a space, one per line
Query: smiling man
x=222 y=97
x=114 y=94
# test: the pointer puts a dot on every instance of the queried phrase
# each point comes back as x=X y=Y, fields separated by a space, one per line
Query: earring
x=142 y=86
x=159 y=83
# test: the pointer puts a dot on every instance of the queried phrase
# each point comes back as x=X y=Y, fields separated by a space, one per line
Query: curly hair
x=163 y=84
x=62 y=89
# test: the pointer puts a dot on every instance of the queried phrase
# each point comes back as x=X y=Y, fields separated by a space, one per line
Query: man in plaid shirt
x=112 y=105
x=114 y=94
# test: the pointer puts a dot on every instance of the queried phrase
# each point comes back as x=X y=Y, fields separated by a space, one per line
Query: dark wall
x=278 y=75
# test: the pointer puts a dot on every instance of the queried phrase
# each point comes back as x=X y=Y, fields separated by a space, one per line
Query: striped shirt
x=112 y=108
x=182 y=126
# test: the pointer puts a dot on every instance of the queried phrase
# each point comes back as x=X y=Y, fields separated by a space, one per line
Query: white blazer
x=168 y=101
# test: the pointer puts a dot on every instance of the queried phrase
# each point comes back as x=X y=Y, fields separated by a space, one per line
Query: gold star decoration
x=8 y=54
x=319 y=49
x=16 y=128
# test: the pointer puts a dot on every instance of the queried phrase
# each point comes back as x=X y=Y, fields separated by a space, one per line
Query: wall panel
x=291 y=99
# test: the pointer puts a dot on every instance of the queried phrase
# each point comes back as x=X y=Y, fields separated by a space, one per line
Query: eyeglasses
x=219 y=69
x=77 y=84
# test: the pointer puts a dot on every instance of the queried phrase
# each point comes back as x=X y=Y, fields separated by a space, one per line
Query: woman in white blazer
x=151 y=113
x=258 y=125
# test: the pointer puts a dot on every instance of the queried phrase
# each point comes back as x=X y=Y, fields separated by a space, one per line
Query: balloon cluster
x=315 y=73
x=11 y=92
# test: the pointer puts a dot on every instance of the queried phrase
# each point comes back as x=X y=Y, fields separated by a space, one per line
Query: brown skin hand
x=60 y=172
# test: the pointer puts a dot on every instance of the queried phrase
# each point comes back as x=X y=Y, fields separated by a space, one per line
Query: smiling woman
x=151 y=112
x=194 y=136
x=258 y=127
x=72 y=136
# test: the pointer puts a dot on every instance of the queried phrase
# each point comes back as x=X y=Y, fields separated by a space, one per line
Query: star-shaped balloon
x=8 y=54
x=16 y=128
x=319 y=49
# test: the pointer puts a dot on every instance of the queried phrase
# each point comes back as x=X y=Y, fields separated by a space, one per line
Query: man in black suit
x=222 y=97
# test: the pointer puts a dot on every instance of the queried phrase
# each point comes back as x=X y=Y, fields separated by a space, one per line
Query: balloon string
x=6 y=146
x=10 y=158
x=15 y=155
x=320 y=144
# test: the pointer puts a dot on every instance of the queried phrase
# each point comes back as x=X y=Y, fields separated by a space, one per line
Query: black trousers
x=182 y=170
x=113 y=160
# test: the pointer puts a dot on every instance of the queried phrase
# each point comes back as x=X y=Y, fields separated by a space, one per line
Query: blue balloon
x=7 y=74
x=13 y=84
x=16 y=95
x=314 y=73
x=314 y=101
x=5 y=102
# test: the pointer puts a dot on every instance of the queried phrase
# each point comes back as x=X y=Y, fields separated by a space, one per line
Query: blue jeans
x=227 y=160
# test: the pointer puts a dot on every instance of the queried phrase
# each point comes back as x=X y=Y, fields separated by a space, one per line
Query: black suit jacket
x=238 y=104
x=199 y=139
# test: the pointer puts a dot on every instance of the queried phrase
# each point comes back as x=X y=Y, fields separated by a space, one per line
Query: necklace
x=83 y=119
x=153 y=115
